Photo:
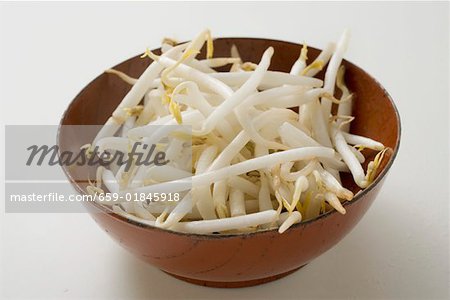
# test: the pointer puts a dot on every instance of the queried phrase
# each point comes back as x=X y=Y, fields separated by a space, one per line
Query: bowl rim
x=357 y=197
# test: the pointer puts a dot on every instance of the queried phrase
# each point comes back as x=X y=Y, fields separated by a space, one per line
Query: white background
x=399 y=250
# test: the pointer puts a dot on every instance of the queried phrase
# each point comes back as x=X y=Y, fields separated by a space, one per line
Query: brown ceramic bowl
x=250 y=258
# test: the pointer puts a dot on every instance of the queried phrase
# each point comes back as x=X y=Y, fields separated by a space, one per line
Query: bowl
x=249 y=258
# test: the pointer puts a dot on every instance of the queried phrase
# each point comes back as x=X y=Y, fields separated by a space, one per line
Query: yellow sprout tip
x=209 y=46
x=165 y=99
x=169 y=41
x=317 y=64
x=373 y=166
x=150 y=54
x=188 y=53
x=304 y=52
x=134 y=111
x=174 y=109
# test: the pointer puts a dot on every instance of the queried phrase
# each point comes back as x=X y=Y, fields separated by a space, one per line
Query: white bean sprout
x=248 y=161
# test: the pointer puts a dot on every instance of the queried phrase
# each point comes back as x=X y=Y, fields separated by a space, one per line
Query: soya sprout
x=292 y=218
x=234 y=52
x=237 y=202
x=301 y=185
x=361 y=141
x=220 y=196
x=110 y=181
x=133 y=97
x=220 y=225
x=248 y=66
x=244 y=185
x=123 y=213
x=345 y=107
x=293 y=176
x=331 y=184
x=373 y=166
x=195 y=99
x=142 y=213
x=300 y=63
x=264 y=195
x=332 y=69
x=182 y=209
x=247 y=88
x=220 y=61
x=188 y=73
x=319 y=125
x=225 y=157
x=210 y=177
x=201 y=66
x=349 y=158
x=123 y=76
x=169 y=41
x=319 y=63
x=333 y=200
x=358 y=155
x=243 y=159
x=315 y=65
x=271 y=79
x=98 y=177
x=203 y=194
x=197 y=43
x=261 y=98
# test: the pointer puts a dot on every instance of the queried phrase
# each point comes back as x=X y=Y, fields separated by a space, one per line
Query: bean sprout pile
x=249 y=161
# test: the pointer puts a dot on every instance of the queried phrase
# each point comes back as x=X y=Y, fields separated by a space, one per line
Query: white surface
x=400 y=248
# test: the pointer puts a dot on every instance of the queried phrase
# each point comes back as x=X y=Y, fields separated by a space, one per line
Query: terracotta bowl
x=250 y=258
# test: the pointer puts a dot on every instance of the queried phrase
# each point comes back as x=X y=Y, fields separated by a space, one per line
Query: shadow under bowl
x=249 y=258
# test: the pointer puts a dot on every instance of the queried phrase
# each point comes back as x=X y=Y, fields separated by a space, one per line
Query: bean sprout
x=243 y=159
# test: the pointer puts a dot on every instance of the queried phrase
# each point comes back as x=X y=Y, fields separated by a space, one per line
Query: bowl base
x=234 y=284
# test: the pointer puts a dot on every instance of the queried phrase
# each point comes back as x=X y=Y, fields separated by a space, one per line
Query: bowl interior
x=375 y=113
